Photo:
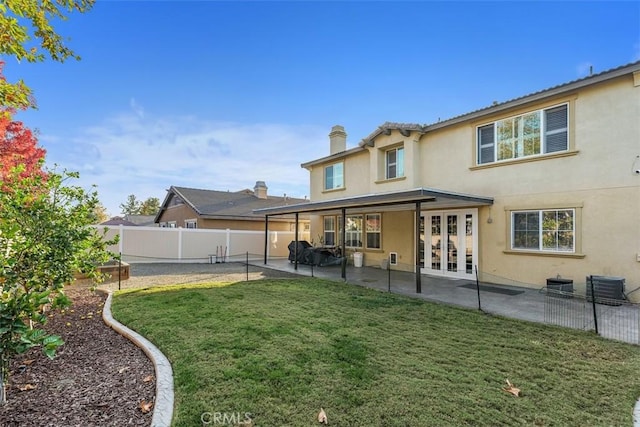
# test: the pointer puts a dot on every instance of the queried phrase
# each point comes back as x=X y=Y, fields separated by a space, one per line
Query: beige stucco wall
x=356 y=178
x=596 y=177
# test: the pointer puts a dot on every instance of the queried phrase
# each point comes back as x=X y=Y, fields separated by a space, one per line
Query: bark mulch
x=98 y=377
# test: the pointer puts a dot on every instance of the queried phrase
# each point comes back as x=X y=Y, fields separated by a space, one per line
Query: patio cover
x=436 y=199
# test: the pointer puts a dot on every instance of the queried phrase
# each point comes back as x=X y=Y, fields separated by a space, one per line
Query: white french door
x=450 y=242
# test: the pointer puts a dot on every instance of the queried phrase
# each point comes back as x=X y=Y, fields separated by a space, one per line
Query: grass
x=282 y=349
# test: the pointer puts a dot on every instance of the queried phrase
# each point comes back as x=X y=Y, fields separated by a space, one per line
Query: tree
x=19 y=147
x=151 y=206
x=131 y=206
x=32 y=43
x=44 y=240
x=100 y=214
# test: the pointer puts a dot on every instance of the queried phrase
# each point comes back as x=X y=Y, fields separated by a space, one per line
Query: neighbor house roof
x=142 y=220
x=213 y=204
x=117 y=220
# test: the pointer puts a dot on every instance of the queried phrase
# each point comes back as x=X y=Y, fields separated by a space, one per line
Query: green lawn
x=282 y=349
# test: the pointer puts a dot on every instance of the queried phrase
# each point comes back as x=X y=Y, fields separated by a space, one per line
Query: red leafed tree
x=19 y=148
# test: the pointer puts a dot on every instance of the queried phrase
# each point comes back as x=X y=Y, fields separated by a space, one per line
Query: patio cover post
x=266 y=237
x=343 y=235
x=418 y=277
x=296 y=239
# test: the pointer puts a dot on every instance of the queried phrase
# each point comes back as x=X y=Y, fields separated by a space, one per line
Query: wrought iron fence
x=572 y=307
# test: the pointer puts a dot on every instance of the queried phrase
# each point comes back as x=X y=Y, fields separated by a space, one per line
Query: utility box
x=562 y=288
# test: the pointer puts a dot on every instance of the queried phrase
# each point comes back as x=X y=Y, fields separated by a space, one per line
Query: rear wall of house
x=595 y=177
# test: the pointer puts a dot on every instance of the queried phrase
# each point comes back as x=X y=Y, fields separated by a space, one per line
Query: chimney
x=337 y=139
x=260 y=190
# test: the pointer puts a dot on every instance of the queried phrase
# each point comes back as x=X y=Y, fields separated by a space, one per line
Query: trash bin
x=562 y=288
x=357 y=259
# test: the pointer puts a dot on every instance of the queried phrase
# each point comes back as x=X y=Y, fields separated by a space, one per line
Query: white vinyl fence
x=155 y=244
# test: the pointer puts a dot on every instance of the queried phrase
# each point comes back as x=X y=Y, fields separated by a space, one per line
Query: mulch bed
x=98 y=377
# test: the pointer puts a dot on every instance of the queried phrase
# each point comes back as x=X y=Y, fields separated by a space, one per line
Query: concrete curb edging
x=163 y=405
x=636 y=414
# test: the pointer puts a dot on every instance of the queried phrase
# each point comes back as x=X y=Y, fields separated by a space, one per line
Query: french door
x=450 y=245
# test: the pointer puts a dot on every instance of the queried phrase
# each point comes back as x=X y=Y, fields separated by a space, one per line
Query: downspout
x=343 y=235
x=418 y=276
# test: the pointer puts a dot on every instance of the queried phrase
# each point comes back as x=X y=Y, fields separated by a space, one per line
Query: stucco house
x=211 y=209
x=544 y=185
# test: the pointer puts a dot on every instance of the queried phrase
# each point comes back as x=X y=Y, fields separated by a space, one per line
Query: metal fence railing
x=585 y=307
x=572 y=307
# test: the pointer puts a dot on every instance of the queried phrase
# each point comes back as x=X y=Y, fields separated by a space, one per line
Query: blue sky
x=219 y=95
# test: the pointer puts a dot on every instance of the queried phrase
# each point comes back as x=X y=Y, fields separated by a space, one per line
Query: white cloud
x=137 y=153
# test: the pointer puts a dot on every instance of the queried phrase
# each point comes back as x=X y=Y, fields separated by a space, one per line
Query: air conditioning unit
x=608 y=290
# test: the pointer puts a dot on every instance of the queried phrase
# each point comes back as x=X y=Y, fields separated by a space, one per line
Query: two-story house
x=544 y=185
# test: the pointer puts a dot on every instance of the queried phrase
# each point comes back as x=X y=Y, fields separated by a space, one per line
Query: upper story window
x=394 y=163
x=529 y=134
x=191 y=223
x=334 y=176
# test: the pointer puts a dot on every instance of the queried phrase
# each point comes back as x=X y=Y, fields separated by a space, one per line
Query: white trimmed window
x=551 y=230
x=191 y=223
x=172 y=224
x=353 y=231
x=329 y=230
x=373 y=229
x=530 y=134
x=334 y=176
x=394 y=161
